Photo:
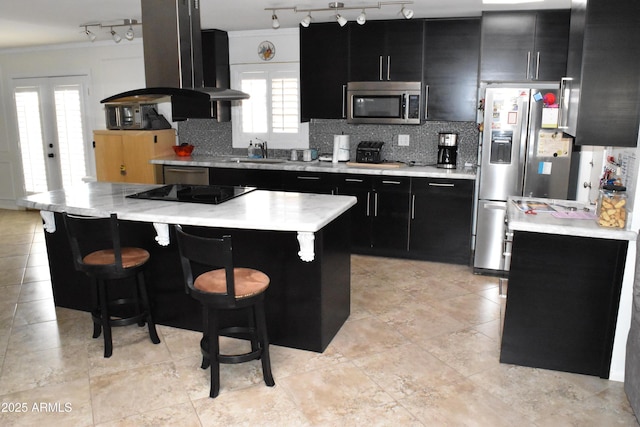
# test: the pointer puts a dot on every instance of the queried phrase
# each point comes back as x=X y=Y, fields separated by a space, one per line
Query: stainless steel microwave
x=124 y=116
x=384 y=102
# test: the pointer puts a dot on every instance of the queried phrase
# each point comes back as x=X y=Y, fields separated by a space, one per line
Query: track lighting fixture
x=407 y=13
x=89 y=34
x=306 y=21
x=274 y=21
x=335 y=8
x=129 y=34
x=115 y=36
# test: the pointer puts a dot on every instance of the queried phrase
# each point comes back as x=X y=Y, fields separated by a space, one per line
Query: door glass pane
x=30 y=134
x=70 y=135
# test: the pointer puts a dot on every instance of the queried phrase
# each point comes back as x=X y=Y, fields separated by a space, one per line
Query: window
x=272 y=112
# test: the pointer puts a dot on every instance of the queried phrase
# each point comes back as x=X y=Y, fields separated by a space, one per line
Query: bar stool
x=97 y=252
x=225 y=288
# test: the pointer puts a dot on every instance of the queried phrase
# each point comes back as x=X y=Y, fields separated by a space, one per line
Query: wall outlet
x=403 y=140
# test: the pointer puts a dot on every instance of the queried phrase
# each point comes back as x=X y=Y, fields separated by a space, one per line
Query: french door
x=52 y=132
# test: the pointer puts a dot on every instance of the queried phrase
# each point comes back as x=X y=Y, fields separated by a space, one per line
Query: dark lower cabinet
x=398 y=216
x=358 y=186
x=259 y=178
x=562 y=302
x=380 y=219
x=441 y=217
x=390 y=215
x=308 y=182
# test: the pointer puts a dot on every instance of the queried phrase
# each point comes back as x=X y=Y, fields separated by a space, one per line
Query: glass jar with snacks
x=612 y=206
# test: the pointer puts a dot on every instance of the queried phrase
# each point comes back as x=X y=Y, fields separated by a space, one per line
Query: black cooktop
x=210 y=194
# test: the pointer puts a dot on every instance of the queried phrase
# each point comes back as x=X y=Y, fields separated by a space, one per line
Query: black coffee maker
x=447 y=150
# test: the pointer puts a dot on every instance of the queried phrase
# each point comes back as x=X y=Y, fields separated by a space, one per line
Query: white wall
x=112 y=68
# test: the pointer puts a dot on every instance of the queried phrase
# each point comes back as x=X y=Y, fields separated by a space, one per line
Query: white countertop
x=257 y=210
x=546 y=222
x=314 y=166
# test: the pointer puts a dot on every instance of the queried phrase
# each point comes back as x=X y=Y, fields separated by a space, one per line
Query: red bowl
x=183 y=150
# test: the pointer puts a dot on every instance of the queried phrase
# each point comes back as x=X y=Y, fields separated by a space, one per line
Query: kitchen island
x=565 y=282
x=300 y=240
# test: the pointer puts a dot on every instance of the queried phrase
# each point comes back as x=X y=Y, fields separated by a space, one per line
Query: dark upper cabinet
x=609 y=84
x=517 y=46
x=215 y=68
x=451 y=57
x=324 y=56
x=386 y=50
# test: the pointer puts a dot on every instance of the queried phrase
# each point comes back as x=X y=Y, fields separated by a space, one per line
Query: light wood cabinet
x=123 y=156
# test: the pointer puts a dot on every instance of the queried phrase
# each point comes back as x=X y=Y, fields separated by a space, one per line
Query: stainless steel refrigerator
x=522 y=153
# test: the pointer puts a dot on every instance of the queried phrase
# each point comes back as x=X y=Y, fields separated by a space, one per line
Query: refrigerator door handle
x=563 y=113
x=523 y=133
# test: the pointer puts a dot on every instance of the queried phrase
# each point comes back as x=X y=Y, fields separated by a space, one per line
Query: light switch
x=403 y=140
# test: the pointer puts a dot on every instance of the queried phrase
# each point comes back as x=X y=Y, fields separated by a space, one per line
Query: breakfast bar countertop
x=387 y=168
x=257 y=210
x=563 y=217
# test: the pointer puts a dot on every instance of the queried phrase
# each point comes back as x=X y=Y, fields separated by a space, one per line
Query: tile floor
x=420 y=349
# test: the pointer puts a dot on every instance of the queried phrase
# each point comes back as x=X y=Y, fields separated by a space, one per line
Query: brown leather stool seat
x=219 y=289
x=97 y=252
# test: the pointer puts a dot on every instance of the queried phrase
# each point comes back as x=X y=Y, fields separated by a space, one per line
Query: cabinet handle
x=388 y=67
x=375 y=204
x=426 y=101
x=198 y=171
x=353 y=180
x=313 y=178
x=526 y=74
x=368 y=203
x=344 y=101
x=391 y=182
x=413 y=206
x=537 y=65
x=380 y=64
x=435 y=184
x=563 y=116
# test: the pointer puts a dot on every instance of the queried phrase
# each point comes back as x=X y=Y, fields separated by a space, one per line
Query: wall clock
x=266 y=50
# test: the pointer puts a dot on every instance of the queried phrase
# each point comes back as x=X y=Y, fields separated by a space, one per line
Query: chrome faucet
x=263 y=148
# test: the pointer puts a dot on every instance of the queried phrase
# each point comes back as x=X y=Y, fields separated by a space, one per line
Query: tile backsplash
x=213 y=138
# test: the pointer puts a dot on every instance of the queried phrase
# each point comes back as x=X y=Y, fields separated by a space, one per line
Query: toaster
x=369 y=152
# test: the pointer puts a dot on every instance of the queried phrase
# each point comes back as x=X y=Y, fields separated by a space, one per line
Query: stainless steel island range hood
x=173 y=62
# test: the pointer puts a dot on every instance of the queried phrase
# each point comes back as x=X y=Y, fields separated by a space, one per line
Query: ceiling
x=28 y=23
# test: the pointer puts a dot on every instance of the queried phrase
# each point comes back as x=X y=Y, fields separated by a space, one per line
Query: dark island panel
x=307 y=302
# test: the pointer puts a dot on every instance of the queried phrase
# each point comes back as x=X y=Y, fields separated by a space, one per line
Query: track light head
x=306 y=21
x=341 y=20
x=362 y=18
x=407 y=13
x=115 y=36
x=129 y=35
x=89 y=34
x=275 y=24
